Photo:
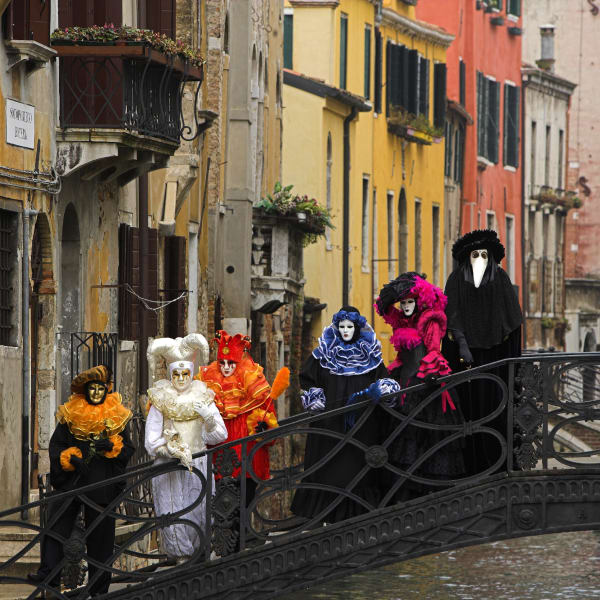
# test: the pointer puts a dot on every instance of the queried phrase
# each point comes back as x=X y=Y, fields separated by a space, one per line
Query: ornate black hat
x=479 y=238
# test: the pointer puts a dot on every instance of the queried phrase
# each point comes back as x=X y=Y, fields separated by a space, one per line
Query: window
x=374 y=241
x=435 y=221
x=28 y=20
x=561 y=143
x=547 y=158
x=158 y=15
x=488 y=117
x=490 y=220
x=462 y=70
x=343 y=49
x=378 y=67
x=288 y=39
x=390 y=228
x=328 y=191
x=367 y=93
x=533 y=155
x=511 y=125
x=365 y=225
x=513 y=7
x=448 y=154
x=510 y=246
x=402 y=232
x=424 y=86
x=8 y=277
x=418 y=236
x=175 y=284
x=129 y=277
x=459 y=143
x=439 y=99
x=408 y=76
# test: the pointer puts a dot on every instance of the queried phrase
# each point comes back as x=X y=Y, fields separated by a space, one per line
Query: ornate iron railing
x=536 y=398
x=131 y=88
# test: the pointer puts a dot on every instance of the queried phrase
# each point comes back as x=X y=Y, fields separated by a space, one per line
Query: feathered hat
x=479 y=238
x=178 y=353
x=231 y=347
x=99 y=373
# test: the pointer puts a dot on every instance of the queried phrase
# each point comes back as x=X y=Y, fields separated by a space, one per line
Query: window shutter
x=404 y=78
x=367 y=65
x=439 y=103
x=413 y=82
x=377 y=74
x=175 y=269
x=448 y=140
x=393 y=81
x=424 y=87
x=129 y=274
x=506 y=134
x=343 y=50
x=493 y=120
x=28 y=20
x=288 y=41
x=65 y=13
x=517 y=124
x=388 y=76
x=158 y=15
x=511 y=125
x=152 y=284
x=463 y=82
x=479 y=115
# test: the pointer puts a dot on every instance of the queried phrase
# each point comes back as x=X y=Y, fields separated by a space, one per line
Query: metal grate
x=89 y=348
x=7 y=264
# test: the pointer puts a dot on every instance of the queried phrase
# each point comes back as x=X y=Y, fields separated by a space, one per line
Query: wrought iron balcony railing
x=131 y=88
x=536 y=397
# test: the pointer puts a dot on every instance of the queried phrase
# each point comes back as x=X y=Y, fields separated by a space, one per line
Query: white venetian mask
x=479 y=262
x=408 y=306
x=181 y=379
x=346 y=329
x=227 y=367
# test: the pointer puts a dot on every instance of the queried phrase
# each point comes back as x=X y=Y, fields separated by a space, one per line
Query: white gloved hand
x=163 y=452
x=202 y=407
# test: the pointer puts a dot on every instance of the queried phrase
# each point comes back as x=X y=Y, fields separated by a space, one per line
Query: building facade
x=575 y=62
x=364 y=134
x=484 y=78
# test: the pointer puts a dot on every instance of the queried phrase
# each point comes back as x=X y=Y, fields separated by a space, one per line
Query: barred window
x=8 y=277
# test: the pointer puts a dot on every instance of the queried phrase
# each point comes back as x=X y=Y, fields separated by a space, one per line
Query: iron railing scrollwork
x=545 y=396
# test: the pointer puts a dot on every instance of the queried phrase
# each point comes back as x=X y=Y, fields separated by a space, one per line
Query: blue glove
x=381 y=387
x=313 y=400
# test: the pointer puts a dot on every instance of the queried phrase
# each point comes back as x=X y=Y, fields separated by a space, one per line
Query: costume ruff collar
x=356 y=358
x=86 y=421
x=176 y=406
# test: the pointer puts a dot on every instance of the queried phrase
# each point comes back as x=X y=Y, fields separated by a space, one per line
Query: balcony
x=551 y=198
x=121 y=112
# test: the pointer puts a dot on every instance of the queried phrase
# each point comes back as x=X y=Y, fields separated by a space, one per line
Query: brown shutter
x=129 y=275
x=108 y=11
x=28 y=20
x=158 y=15
x=39 y=21
x=152 y=286
x=175 y=267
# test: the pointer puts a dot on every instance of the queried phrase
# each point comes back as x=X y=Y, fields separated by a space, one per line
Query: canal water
x=548 y=567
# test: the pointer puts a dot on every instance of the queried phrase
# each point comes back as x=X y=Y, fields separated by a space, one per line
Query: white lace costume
x=174 y=423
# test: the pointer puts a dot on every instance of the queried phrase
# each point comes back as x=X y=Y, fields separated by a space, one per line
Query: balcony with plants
x=413 y=128
x=122 y=89
x=557 y=198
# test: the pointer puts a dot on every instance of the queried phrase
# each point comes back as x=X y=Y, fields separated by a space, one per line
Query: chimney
x=546 y=62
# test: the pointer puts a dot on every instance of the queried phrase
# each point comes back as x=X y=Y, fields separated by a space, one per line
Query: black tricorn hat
x=478 y=238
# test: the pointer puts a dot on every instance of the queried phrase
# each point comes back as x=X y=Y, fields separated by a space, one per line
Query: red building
x=483 y=82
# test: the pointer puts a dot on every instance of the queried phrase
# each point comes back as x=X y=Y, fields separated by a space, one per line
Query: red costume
x=243 y=396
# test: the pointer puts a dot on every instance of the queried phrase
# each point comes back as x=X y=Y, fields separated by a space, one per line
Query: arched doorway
x=70 y=294
x=42 y=327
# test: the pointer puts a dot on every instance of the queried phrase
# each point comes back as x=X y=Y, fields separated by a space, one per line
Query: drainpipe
x=346 y=217
x=143 y=226
x=26 y=375
x=524 y=274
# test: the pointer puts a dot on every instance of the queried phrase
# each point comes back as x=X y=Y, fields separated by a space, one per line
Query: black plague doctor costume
x=90 y=444
x=484 y=325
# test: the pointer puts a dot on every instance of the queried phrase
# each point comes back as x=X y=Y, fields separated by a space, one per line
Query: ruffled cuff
x=117 y=441
x=314 y=399
x=65 y=457
x=433 y=364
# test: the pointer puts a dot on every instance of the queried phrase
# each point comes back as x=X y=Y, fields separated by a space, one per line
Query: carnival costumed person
x=90 y=444
x=245 y=400
x=484 y=325
x=419 y=324
x=346 y=360
x=182 y=420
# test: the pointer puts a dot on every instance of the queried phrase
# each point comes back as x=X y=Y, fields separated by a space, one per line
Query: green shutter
x=288 y=41
x=343 y=49
x=506 y=137
x=367 y=93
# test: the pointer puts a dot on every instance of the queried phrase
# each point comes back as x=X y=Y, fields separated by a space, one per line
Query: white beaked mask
x=227 y=367
x=479 y=263
x=408 y=306
x=346 y=329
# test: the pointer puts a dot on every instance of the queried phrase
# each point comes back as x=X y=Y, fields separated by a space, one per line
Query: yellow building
x=364 y=108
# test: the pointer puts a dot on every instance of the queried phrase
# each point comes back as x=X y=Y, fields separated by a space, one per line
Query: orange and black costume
x=90 y=444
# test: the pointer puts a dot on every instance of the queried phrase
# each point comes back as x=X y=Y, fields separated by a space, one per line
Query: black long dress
x=411 y=443
x=348 y=462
